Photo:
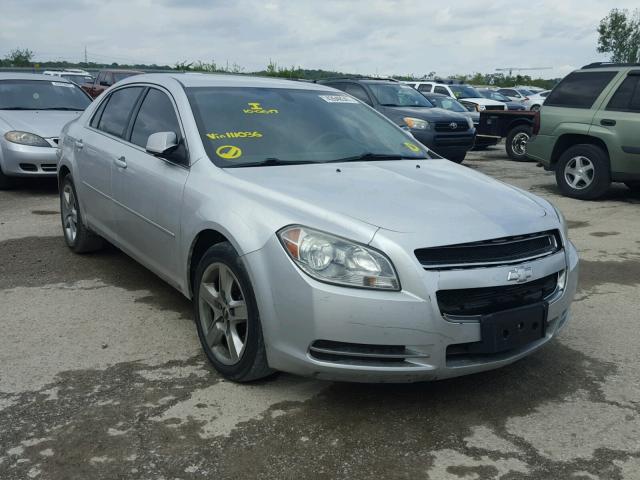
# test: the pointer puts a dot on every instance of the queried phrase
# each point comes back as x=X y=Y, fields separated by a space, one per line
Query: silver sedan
x=33 y=110
x=312 y=234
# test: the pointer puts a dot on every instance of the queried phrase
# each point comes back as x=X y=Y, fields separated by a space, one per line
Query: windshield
x=41 y=95
x=79 y=79
x=398 y=95
x=494 y=95
x=464 y=91
x=247 y=126
x=448 y=103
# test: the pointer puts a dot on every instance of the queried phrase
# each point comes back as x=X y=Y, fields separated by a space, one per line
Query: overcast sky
x=358 y=36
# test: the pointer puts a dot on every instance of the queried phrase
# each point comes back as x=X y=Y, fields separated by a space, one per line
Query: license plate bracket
x=513 y=328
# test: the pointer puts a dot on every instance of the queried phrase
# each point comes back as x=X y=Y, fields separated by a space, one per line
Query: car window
x=245 y=126
x=579 y=89
x=627 y=97
x=96 y=116
x=447 y=103
x=424 y=88
x=398 y=95
x=115 y=117
x=157 y=114
x=439 y=89
x=358 y=92
x=464 y=91
x=100 y=77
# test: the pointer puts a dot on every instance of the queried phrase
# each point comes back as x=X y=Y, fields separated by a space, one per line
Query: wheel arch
x=204 y=240
x=568 y=140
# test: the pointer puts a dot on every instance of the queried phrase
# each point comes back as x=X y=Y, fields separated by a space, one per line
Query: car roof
x=30 y=76
x=223 y=80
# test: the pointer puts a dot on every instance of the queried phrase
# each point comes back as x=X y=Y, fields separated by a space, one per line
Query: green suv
x=589 y=130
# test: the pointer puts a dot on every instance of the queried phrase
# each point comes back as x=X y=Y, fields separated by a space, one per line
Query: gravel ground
x=101 y=375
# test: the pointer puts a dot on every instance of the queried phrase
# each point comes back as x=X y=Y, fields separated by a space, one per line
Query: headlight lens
x=480 y=108
x=26 y=138
x=335 y=260
x=416 y=123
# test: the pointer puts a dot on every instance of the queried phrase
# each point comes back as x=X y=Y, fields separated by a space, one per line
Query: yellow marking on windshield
x=222 y=136
x=411 y=146
x=256 y=107
x=228 y=152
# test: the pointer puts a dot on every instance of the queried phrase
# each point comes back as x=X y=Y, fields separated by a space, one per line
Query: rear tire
x=227 y=316
x=76 y=235
x=583 y=172
x=634 y=186
x=5 y=182
x=516 y=142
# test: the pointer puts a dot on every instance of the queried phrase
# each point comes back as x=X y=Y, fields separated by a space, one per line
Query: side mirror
x=161 y=143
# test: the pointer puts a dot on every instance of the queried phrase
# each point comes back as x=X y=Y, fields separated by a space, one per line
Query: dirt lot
x=101 y=375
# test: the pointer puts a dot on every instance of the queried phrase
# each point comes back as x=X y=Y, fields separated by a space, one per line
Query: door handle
x=120 y=162
x=607 y=122
x=79 y=145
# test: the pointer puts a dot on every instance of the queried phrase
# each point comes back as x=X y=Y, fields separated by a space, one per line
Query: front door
x=619 y=119
x=147 y=189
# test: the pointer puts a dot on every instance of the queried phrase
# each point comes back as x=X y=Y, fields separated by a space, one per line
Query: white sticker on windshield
x=338 y=99
x=62 y=84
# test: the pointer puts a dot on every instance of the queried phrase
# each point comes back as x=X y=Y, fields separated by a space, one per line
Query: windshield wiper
x=270 y=162
x=374 y=157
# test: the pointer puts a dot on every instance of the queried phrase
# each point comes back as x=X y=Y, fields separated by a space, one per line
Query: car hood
x=424 y=113
x=438 y=198
x=45 y=123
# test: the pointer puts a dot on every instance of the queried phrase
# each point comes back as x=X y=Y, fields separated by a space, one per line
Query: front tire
x=583 y=172
x=76 y=235
x=459 y=158
x=516 y=143
x=227 y=316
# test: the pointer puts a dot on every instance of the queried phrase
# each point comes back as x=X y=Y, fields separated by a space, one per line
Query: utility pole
x=85 y=54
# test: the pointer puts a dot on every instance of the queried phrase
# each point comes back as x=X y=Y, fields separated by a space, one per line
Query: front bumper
x=446 y=144
x=26 y=161
x=297 y=311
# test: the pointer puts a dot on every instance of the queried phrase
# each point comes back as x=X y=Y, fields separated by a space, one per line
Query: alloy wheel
x=223 y=313
x=579 y=172
x=69 y=213
x=519 y=143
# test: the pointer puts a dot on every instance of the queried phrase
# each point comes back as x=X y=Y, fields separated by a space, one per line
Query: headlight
x=25 y=138
x=480 y=108
x=416 y=123
x=335 y=260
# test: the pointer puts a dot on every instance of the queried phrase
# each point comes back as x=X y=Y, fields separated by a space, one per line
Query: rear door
x=619 y=121
x=97 y=150
x=148 y=189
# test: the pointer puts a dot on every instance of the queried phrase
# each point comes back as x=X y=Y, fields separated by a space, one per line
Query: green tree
x=19 y=57
x=619 y=35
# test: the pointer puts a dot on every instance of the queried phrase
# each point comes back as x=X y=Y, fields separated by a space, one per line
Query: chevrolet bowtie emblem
x=519 y=274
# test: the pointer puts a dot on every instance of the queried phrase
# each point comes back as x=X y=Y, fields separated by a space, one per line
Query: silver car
x=312 y=234
x=33 y=110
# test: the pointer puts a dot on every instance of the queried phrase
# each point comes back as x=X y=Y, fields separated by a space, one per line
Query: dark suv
x=447 y=133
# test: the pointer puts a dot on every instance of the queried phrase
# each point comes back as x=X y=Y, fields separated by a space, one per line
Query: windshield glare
x=448 y=103
x=464 y=91
x=398 y=95
x=246 y=126
x=41 y=95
